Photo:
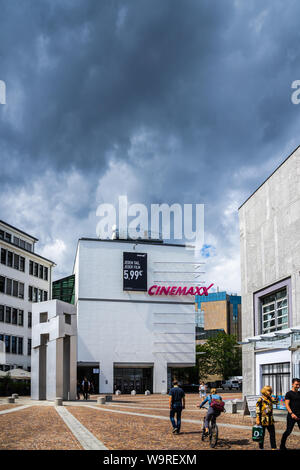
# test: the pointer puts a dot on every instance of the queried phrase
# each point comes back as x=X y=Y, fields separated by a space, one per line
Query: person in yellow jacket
x=264 y=415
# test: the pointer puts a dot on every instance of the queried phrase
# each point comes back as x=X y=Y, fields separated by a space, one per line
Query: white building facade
x=25 y=278
x=130 y=334
x=270 y=271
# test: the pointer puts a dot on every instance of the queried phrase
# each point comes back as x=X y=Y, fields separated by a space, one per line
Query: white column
x=160 y=377
x=35 y=373
x=73 y=367
x=106 y=377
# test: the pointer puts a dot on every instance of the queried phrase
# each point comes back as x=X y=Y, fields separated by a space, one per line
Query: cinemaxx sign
x=175 y=290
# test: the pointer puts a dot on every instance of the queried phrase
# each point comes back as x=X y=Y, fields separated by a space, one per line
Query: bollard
x=230 y=407
x=133 y=392
x=101 y=400
x=58 y=401
x=118 y=392
x=15 y=395
x=10 y=400
x=147 y=392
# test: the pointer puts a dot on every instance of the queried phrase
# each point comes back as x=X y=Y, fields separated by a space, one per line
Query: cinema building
x=135 y=312
x=270 y=270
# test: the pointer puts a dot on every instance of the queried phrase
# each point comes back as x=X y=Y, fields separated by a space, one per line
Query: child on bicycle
x=216 y=406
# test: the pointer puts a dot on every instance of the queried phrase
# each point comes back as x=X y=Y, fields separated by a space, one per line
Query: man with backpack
x=215 y=409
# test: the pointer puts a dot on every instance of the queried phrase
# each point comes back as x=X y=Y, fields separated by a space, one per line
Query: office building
x=25 y=278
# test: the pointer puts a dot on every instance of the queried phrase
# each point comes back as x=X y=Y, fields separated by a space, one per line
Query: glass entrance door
x=128 y=379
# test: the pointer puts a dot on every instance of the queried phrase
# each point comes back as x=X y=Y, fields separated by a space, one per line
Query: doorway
x=91 y=372
x=128 y=379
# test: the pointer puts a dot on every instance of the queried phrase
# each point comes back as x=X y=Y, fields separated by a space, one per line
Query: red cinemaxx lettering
x=174 y=290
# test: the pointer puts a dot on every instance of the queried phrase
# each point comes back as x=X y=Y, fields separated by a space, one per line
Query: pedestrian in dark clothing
x=176 y=404
x=85 y=388
x=78 y=390
x=292 y=403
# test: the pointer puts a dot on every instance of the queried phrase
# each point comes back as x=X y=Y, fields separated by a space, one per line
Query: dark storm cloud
x=84 y=77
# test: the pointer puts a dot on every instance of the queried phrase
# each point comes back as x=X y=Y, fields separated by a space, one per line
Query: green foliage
x=222 y=356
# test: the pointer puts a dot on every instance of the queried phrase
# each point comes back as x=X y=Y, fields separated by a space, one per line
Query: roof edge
x=277 y=168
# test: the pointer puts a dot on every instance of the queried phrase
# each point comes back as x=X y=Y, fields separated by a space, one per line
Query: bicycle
x=213 y=431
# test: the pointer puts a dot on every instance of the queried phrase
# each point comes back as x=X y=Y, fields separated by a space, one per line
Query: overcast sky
x=175 y=101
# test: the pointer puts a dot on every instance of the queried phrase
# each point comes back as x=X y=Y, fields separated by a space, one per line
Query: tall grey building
x=270 y=271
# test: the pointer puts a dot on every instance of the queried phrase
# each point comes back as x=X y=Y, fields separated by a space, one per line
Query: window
x=29 y=319
x=10 y=259
x=14 y=316
x=21 y=318
x=22 y=243
x=15 y=288
x=40 y=295
x=21 y=290
x=43 y=317
x=41 y=271
x=29 y=347
x=7 y=314
x=277 y=376
x=67 y=318
x=7 y=343
x=16 y=241
x=45 y=295
x=22 y=264
x=8 y=237
x=275 y=311
x=20 y=345
x=14 y=345
x=3 y=256
x=35 y=294
x=30 y=293
x=8 y=286
x=16 y=261
x=31 y=267
x=36 y=269
x=2 y=284
x=28 y=246
x=1 y=312
x=2 y=234
x=45 y=274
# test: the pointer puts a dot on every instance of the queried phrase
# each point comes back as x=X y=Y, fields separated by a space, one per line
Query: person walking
x=264 y=415
x=292 y=403
x=176 y=405
x=202 y=390
x=85 y=388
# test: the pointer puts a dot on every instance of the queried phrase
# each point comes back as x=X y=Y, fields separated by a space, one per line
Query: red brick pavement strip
x=7 y=407
x=35 y=428
x=125 y=432
x=197 y=414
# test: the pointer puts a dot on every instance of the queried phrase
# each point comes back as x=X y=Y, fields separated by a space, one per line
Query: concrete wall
x=115 y=326
x=270 y=248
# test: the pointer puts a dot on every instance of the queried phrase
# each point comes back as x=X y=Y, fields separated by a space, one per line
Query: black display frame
x=140 y=263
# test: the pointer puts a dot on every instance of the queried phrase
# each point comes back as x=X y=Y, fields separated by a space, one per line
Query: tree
x=221 y=356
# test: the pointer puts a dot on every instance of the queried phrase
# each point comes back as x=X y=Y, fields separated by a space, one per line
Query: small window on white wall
x=43 y=317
